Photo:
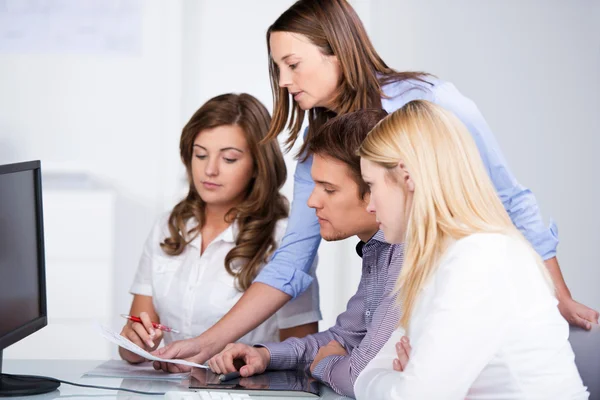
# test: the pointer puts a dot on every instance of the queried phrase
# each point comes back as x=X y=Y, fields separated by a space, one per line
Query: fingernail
x=150 y=343
x=398 y=346
x=404 y=340
x=152 y=333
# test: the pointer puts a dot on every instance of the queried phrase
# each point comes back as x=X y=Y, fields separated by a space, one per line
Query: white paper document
x=122 y=369
x=128 y=345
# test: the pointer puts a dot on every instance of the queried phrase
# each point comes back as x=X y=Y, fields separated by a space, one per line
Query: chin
x=392 y=237
x=306 y=105
x=332 y=236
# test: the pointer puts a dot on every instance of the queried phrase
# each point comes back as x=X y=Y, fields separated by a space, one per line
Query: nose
x=284 y=78
x=212 y=166
x=371 y=206
x=313 y=201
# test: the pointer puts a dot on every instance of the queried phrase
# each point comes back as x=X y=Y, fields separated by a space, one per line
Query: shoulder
x=480 y=243
x=431 y=89
x=485 y=252
x=280 y=229
x=398 y=93
x=160 y=229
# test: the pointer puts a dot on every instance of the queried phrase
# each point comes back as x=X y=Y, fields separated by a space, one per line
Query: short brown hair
x=340 y=137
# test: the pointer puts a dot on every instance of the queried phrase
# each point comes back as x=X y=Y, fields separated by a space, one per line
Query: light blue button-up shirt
x=287 y=270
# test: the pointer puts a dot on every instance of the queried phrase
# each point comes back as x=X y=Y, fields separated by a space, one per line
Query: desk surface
x=72 y=370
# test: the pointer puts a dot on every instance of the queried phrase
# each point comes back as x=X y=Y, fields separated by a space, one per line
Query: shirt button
x=369 y=270
x=368 y=313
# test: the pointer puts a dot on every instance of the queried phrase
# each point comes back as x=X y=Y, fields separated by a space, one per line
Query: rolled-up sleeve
x=288 y=269
x=519 y=201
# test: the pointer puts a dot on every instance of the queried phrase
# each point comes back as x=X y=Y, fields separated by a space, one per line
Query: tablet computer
x=291 y=383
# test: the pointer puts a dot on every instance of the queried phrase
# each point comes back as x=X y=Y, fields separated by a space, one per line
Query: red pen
x=155 y=325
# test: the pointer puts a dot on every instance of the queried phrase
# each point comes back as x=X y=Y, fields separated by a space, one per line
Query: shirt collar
x=229 y=235
x=375 y=239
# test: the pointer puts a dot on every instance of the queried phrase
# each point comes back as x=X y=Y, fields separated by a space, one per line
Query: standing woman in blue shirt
x=322 y=64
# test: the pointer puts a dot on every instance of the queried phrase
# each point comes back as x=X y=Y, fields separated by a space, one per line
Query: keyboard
x=204 y=395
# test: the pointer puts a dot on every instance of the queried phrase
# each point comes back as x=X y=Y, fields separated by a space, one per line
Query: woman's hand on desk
x=255 y=358
x=143 y=335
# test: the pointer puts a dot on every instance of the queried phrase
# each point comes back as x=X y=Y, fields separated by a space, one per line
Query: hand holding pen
x=143 y=332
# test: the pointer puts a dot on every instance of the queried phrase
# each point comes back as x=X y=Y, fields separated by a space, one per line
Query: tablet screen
x=271 y=383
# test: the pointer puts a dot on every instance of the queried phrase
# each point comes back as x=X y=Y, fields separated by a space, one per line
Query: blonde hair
x=453 y=197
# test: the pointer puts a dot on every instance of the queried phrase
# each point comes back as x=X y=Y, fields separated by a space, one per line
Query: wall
x=533 y=68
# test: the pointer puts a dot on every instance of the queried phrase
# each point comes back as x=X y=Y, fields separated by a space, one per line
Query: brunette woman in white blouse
x=478 y=304
x=199 y=258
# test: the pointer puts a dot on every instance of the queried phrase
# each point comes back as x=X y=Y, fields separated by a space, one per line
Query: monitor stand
x=24 y=385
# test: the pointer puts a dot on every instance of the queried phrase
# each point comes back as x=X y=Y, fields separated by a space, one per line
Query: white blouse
x=486 y=326
x=191 y=292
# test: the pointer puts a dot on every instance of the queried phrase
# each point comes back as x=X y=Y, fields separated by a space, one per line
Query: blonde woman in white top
x=478 y=304
x=199 y=258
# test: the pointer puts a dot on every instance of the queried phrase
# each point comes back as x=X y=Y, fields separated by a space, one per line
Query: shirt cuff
x=282 y=355
x=546 y=242
x=141 y=289
x=288 y=279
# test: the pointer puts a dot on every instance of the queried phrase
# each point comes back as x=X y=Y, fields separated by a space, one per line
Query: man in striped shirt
x=338 y=355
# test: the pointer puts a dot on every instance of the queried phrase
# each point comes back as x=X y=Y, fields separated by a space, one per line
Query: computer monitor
x=22 y=268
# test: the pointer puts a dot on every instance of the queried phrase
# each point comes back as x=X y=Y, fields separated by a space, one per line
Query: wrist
x=207 y=345
x=265 y=354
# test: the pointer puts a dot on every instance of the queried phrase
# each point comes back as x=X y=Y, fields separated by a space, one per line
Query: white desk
x=72 y=370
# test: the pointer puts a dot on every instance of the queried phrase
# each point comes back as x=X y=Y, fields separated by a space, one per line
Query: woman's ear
x=406 y=177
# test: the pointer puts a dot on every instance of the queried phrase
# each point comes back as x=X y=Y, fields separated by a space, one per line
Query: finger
x=143 y=334
x=228 y=362
x=402 y=355
x=589 y=314
x=147 y=322
x=214 y=366
x=250 y=369
x=581 y=322
x=220 y=364
x=135 y=339
x=175 y=368
x=169 y=351
x=229 y=346
x=396 y=365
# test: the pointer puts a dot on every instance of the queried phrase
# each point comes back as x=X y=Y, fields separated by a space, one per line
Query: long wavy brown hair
x=263 y=205
x=334 y=27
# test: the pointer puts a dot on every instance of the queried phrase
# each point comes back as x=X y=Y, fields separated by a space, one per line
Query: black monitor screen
x=22 y=287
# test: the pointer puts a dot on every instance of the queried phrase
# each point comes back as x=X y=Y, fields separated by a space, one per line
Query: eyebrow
x=287 y=56
x=325 y=183
x=223 y=149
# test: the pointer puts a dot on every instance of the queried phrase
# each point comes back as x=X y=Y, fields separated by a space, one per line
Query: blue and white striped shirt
x=371 y=316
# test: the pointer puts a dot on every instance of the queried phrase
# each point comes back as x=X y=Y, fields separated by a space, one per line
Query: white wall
x=531 y=66
x=107 y=115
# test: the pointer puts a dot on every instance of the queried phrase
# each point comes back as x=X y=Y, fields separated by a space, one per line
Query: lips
x=321 y=219
x=296 y=94
x=210 y=185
